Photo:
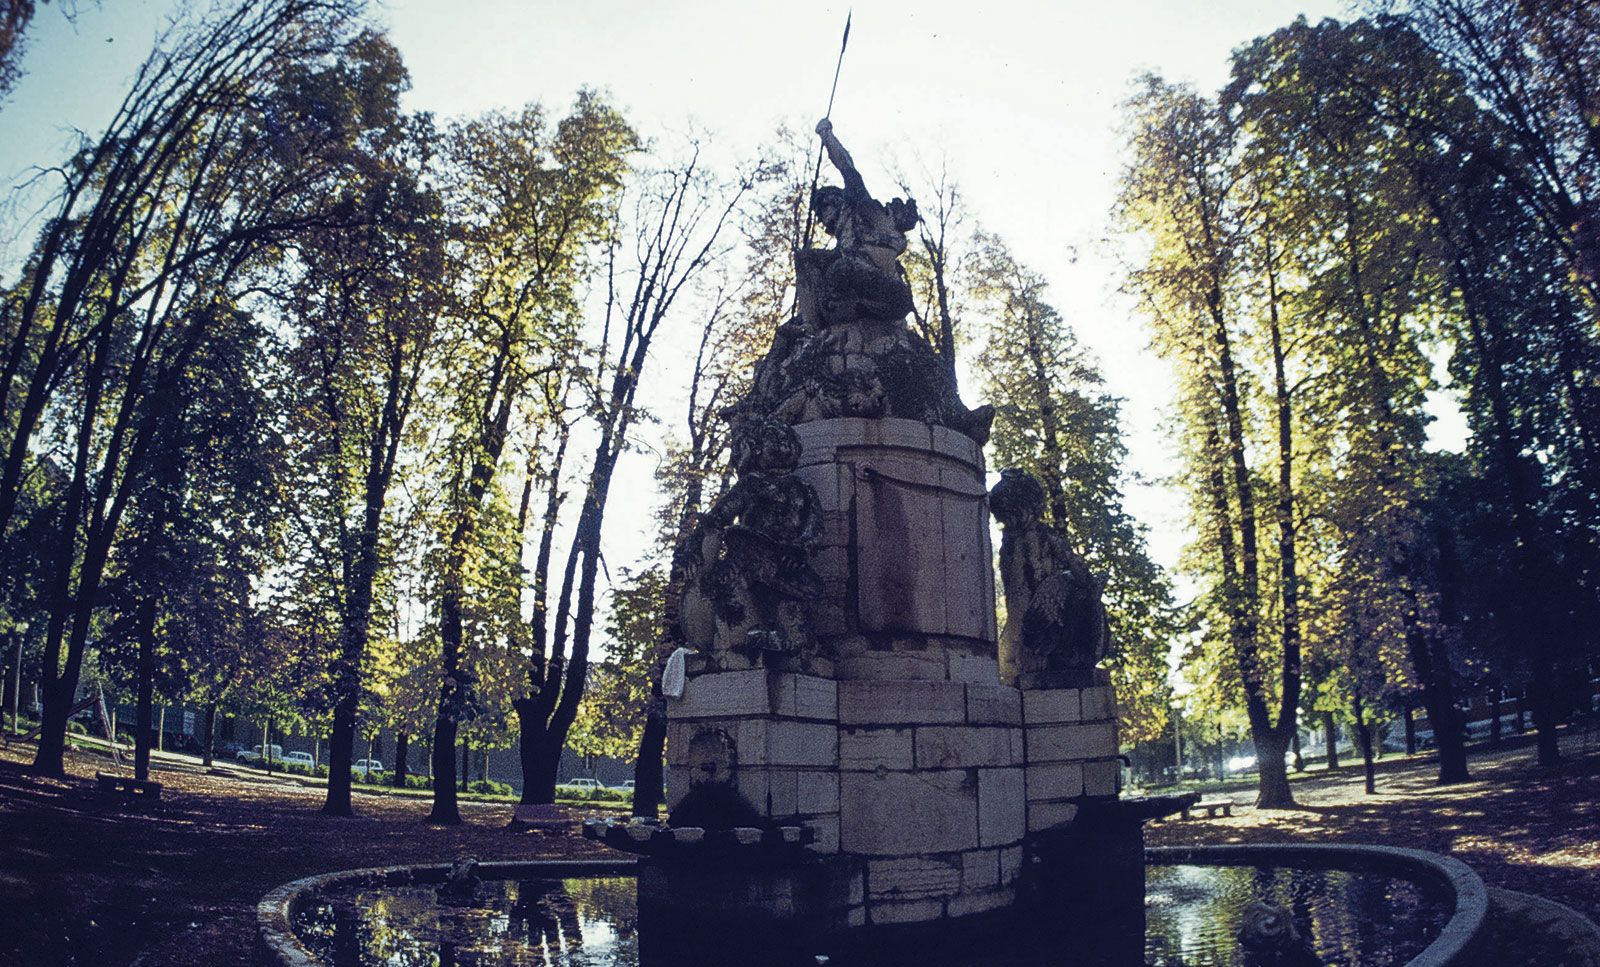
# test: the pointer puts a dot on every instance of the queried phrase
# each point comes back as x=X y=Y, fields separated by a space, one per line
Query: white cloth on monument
x=672 y=676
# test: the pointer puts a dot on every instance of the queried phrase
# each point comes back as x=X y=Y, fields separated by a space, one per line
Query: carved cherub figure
x=747 y=566
x=1055 y=629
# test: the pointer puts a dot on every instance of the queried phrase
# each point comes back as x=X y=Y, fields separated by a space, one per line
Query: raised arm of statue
x=841 y=160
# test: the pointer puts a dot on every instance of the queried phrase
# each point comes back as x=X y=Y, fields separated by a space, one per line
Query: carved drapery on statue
x=848 y=351
x=1055 y=632
x=747 y=566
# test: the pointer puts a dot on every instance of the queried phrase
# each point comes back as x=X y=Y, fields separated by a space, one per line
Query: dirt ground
x=83 y=885
x=1519 y=826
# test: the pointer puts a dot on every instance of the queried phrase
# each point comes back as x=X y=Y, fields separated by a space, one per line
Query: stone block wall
x=1071 y=751
x=931 y=795
x=784 y=730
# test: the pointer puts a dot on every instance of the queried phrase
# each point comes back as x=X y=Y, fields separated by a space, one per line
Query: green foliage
x=490 y=787
x=1054 y=419
x=613 y=710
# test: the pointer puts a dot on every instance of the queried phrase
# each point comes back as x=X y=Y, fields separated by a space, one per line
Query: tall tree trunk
x=401 y=751
x=209 y=741
x=1532 y=559
x=443 y=759
x=146 y=685
x=1364 y=743
x=453 y=695
x=1330 y=736
x=649 y=769
x=1430 y=659
x=1272 y=752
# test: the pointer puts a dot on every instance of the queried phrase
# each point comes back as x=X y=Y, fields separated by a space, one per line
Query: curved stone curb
x=1562 y=928
x=1454 y=944
x=275 y=913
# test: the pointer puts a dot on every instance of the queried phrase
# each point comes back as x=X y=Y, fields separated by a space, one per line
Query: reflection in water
x=583 y=922
x=1192 y=917
x=1192 y=913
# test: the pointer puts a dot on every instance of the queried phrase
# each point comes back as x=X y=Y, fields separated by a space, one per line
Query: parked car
x=626 y=787
x=579 y=788
x=368 y=768
x=254 y=755
x=300 y=760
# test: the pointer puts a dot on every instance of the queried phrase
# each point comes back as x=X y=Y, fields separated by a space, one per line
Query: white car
x=580 y=787
x=255 y=754
x=300 y=759
x=368 y=767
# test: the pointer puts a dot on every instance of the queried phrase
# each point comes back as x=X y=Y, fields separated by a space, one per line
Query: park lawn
x=1519 y=826
x=86 y=886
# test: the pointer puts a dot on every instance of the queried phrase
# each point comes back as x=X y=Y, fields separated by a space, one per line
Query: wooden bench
x=1224 y=806
x=127 y=788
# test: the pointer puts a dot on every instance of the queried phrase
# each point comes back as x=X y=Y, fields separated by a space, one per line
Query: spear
x=817 y=174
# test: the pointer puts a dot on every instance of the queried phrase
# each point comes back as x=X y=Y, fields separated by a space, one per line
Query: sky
x=1019 y=99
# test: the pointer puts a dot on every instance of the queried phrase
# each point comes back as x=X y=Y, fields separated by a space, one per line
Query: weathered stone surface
x=967 y=603
x=846 y=888
x=1063 y=780
x=974 y=669
x=900 y=572
x=1002 y=807
x=782 y=792
x=750 y=740
x=747 y=576
x=1065 y=743
x=1046 y=815
x=1010 y=864
x=887 y=912
x=994 y=705
x=791 y=743
x=893 y=666
x=961 y=746
x=876 y=748
x=1098 y=703
x=1056 y=629
x=721 y=694
x=678 y=743
x=1043 y=706
x=901 y=703
x=912 y=878
x=1100 y=778
x=752 y=785
x=677 y=786
x=816 y=698
x=826 y=829
x=968 y=904
x=817 y=792
x=903 y=814
x=957 y=445
x=980 y=870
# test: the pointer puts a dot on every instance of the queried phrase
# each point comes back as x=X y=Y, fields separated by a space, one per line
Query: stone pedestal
x=923 y=777
x=905 y=554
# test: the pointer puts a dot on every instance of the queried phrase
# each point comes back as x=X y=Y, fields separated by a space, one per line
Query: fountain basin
x=1411 y=907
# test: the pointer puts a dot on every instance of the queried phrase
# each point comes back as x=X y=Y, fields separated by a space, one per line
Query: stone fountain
x=856 y=743
x=866 y=767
